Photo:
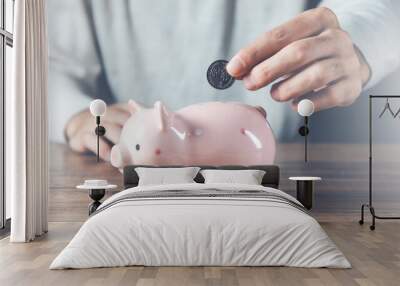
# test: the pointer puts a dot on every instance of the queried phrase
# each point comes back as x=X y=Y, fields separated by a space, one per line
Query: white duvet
x=200 y=231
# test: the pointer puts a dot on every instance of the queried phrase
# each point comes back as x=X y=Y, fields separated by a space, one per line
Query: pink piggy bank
x=211 y=133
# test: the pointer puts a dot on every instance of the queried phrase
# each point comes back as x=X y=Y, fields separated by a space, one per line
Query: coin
x=218 y=77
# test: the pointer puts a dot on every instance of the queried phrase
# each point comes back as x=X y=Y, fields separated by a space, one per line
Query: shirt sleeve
x=74 y=65
x=374 y=28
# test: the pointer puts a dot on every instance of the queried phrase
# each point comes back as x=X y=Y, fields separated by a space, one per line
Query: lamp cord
x=98 y=137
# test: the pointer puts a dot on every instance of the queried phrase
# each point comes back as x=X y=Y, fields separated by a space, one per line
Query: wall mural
x=179 y=89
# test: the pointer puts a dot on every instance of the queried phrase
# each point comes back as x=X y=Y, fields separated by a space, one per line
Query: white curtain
x=26 y=117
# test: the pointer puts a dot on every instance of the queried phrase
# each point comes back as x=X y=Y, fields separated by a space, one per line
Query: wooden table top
x=343 y=167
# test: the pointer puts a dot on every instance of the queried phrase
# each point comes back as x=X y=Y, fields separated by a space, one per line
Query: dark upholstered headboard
x=270 y=179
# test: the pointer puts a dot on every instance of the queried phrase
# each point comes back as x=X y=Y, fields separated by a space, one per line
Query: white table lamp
x=98 y=108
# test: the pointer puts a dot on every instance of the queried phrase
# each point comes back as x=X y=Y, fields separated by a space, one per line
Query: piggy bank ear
x=162 y=115
x=261 y=110
x=133 y=106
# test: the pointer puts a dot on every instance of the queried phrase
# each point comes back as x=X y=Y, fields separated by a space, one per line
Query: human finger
x=113 y=132
x=314 y=77
x=116 y=116
x=342 y=93
x=309 y=23
x=297 y=56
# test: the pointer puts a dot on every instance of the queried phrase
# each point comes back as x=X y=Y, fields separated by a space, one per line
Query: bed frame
x=270 y=179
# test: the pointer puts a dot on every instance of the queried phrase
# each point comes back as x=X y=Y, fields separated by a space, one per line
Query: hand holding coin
x=310 y=55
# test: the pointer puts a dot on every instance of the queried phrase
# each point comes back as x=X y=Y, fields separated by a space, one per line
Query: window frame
x=6 y=39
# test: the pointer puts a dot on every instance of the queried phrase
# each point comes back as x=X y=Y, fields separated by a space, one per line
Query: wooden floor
x=375 y=256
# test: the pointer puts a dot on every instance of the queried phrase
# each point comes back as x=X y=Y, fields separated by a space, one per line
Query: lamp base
x=96 y=195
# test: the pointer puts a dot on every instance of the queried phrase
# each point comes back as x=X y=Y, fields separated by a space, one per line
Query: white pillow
x=162 y=176
x=248 y=177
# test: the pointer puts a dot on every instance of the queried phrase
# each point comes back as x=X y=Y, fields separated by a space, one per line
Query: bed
x=198 y=224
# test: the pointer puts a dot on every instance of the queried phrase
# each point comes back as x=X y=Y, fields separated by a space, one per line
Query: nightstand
x=97 y=190
x=305 y=190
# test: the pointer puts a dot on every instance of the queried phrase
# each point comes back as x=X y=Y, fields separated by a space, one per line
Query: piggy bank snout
x=115 y=156
x=119 y=156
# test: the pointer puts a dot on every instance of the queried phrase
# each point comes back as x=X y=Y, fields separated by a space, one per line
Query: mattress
x=201 y=225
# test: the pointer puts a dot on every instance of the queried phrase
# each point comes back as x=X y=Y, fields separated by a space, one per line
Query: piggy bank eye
x=137 y=147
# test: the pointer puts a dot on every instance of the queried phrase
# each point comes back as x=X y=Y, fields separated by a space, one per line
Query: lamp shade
x=98 y=107
x=305 y=107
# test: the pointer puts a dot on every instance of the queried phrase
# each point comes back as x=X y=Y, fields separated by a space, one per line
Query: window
x=6 y=43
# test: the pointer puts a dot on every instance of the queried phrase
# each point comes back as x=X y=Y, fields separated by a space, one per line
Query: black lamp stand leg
x=98 y=147
x=305 y=139
x=303 y=131
x=98 y=137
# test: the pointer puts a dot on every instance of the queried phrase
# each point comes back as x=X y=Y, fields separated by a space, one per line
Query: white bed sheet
x=200 y=231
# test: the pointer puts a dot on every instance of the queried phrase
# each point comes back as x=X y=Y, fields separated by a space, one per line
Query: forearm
x=65 y=100
x=373 y=26
x=74 y=67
